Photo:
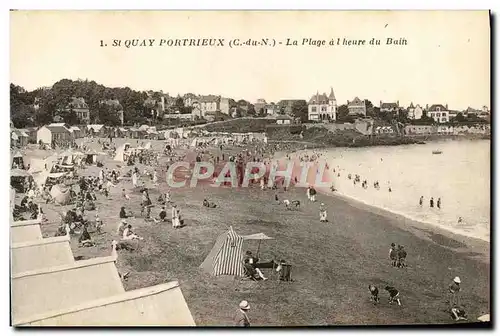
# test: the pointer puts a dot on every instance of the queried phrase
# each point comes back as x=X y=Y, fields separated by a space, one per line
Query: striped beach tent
x=225 y=258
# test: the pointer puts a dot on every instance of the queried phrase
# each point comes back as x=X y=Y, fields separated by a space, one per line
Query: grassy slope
x=333 y=263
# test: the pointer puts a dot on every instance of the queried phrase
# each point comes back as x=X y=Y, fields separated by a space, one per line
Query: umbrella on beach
x=257 y=236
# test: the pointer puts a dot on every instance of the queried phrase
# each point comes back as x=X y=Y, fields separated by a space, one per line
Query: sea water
x=460 y=176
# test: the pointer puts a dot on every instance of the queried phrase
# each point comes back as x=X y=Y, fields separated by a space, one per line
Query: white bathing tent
x=122 y=152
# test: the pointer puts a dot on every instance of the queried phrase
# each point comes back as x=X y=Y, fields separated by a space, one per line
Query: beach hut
x=225 y=258
x=17 y=161
x=60 y=194
x=24 y=231
x=62 y=287
x=122 y=152
x=160 y=305
x=18 y=179
x=41 y=253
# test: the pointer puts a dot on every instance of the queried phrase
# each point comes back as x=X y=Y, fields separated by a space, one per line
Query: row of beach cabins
x=49 y=287
x=60 y=132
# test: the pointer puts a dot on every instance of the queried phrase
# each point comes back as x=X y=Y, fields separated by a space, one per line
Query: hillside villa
x=356 y=107
x=438 y=112
x=322 y=107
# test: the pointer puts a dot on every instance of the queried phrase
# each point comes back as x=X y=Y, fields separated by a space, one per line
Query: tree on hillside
x=251 y=110
x=342 y=112
x=179 y=103
x=108 y=115
x=70 y=117
x=370 y=110
x=299 y=110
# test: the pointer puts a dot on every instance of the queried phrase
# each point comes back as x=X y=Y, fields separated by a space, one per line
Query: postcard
x=250 y=168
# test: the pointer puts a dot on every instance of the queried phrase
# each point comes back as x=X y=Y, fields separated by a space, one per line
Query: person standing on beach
x=241 y=319
x=421 y=201
x=431 y=202
x=312 y=192
x=322 y=213
x=439 y=203
x=393 y=255
x=454 y=290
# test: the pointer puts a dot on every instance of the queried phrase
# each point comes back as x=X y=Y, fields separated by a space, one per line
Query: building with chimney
x=322 y=107
x=81 y=108
x=260 y=106
x=415 y=112
x=390 y=108
x=438 y=112
x=357 y=107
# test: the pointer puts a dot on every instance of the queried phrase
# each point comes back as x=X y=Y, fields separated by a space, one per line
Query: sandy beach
x=333 y=263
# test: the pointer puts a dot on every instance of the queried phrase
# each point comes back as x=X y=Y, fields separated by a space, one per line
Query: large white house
x=415 y=112
x=322 y=107
x=439 y=113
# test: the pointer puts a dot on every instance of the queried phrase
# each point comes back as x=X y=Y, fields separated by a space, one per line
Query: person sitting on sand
x=458 y=313
x=209 y=204
x=85 y=240
x=393 y=255
x=121 y=227
x=250 y=262
x=128 y=234
x=124 y=195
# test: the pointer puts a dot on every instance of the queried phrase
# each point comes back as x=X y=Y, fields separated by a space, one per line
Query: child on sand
x=393 y=295
x=374 y=292
x=393 y=255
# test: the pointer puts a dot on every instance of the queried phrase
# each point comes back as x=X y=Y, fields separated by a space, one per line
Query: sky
x=446 y=59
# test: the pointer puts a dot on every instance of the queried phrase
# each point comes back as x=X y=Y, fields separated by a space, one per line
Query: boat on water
x=437 y=152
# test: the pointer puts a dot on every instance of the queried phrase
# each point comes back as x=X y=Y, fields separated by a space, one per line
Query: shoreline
x=413 y=225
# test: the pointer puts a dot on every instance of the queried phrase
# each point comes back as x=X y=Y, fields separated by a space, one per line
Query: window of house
x=438 y=109
x=313 y=109
x=323 y=108
x=443 y=119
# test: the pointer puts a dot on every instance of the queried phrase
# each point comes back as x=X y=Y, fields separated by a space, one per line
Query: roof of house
x=62 y=287
x=160 y=305
x=389 y=105
x=472 y=110
x=319 y=99
x=356 y=101
x=190 y=95
x=58 y=128
x=74 y=128
x=209 y=99
x=95 y=128
x=78 y=102
x=332 y=95
x=435 y=107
